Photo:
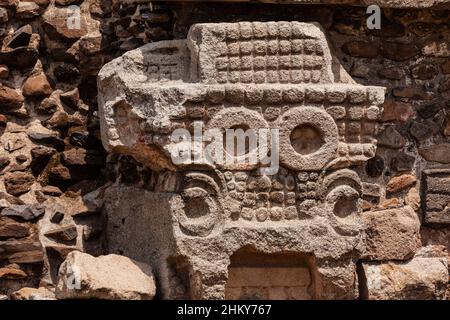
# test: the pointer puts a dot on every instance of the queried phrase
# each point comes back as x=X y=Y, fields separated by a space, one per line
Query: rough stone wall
x=52 y=162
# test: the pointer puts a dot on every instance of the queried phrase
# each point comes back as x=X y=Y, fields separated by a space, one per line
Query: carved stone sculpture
x=214 y=231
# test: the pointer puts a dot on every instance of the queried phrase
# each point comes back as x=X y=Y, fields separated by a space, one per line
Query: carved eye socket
x=345 y=201
x=200 y=209
x=239 y=136
x=306 y=139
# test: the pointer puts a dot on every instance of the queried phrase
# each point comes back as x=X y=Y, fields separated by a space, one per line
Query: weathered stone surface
x=12 y=273
x=398 y=51
x=402 y=162
x=27 y=293
x=397 y=111
x=440 y=48
x=67 y=234
x=412 y=199
x=241 y=66
x=421 y=278
x=104 y=277
x=391 y=138
x=424 y=71
x=25 y=211
x=71 y=98
x=80 y=156
x=51 y=191
x=437 y=153
x=13 y=145
x=422 y=131
x=436 y=196
x=413 y=92
x=55 y=23
x=40 y=157
x=20 y=38
x=27 y=10
x=27 y=257
x=400 y=183
x=10 y=98
x=360 y=49
x=17 y=183
x=37 y=85
x=13 y=230
x=391 y=234
x=57 y=217
x=22 y=57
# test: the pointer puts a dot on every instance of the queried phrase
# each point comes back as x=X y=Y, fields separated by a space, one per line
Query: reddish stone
x=18 y=182
x=27 y=257
x=414 y=92
x=446 y=67
x=437 y=153
x=37 y=85
x=14 y=230
x=10 y=98
x=397 y=111
x=12 y=273
x=398 y=51
x=447 y=126
x=400 y=183
x=424 y=71
x=445 y=85
x=360 y=49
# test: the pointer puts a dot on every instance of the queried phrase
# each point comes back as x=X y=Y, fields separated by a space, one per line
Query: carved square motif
x=436 y=196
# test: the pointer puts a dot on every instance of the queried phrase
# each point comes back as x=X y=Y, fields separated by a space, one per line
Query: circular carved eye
x=195 y=205
x=236 y=118
x=344 y=200
x=306 y=139
x=199 y=210
x=237 y=133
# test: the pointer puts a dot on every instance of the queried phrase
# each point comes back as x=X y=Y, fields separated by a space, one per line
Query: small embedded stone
x=71 y=98
x=25 y=211
x=424 y=71
x=20 y=38
x=17 y=183
x=10 y=98
x=27 y=10
x=397 y=111
x=400 y=183
x=360 y=49
x=27 y=257
x=64 y=234
x=397 y=51
x=11 y=273
x=4 y=71
x=437 y=153
x=37 y=85
x=57 y=217
x=375 y=167
x=391 y=138
x=13 y=230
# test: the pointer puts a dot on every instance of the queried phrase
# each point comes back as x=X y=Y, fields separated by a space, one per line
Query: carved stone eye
x=200 y=208
x=308 y=138
x=344 y=200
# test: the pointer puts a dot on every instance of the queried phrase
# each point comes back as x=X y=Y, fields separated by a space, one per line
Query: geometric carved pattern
x=275 y=75
x=436 y=196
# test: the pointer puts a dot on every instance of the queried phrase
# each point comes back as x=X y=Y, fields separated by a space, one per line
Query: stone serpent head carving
x=275 y=76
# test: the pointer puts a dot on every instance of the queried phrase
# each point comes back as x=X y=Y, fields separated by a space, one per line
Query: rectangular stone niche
x=280 y=276
x=436 y=196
